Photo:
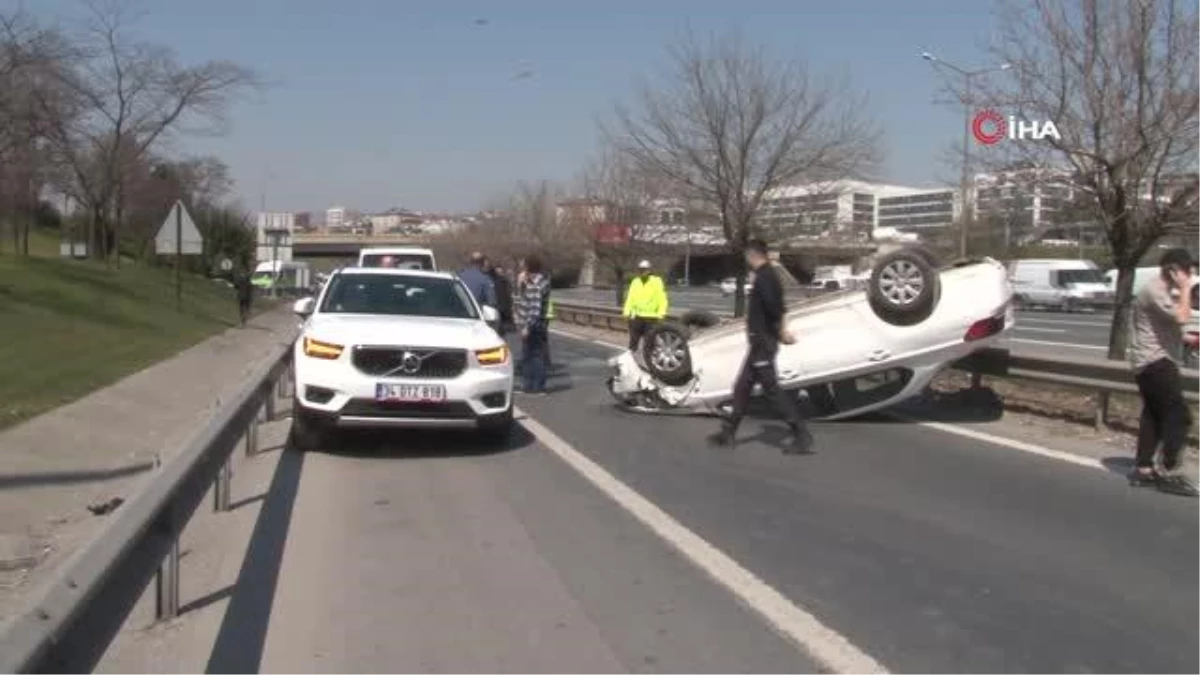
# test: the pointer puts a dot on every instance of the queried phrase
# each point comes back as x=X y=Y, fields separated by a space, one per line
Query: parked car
x=855 y=350
x=397 y=348
x=729 y=286
x=404 y=257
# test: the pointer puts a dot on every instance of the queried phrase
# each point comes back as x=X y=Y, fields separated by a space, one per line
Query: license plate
x=410 y=393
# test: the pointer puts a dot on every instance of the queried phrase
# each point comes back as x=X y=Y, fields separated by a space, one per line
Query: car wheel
x=1068 y=306
x=308 y=431
x=665 y=353
x=904 y=288
x=698 y=318
x=497 y=432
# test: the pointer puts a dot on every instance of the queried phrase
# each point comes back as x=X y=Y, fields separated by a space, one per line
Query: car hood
x=408 y=331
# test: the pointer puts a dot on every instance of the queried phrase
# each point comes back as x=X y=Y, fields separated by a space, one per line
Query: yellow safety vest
x=646 y=299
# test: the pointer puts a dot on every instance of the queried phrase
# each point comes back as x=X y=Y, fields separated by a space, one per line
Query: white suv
x=402 y=349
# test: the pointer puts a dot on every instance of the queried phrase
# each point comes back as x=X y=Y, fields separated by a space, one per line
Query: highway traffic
x=600 y=541
x=1042 y=333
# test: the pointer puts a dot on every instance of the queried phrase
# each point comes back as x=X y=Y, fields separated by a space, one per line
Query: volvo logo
x=410 y=363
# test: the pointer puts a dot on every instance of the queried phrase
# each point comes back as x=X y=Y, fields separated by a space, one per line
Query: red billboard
x=612 y=233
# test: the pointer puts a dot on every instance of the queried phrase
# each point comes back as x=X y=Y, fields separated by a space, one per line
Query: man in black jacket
x=504 y=297
x=764 y=332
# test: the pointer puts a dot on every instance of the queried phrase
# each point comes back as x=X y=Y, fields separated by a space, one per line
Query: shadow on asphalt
x=419 y=444
x=242 y=636
x=70 y=477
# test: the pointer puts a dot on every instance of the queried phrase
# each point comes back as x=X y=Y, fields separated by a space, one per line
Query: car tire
x=904 y=288
x=666 y=355
x=699 y=318
x=496 y=432
x=309 y=432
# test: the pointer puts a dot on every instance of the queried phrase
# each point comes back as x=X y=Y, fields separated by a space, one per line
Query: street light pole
x=965 y=180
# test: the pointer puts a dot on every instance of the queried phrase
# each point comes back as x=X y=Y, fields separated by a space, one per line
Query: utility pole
x=964 y=187
x=178 y=255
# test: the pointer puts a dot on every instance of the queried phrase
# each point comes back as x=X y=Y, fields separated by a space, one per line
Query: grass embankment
x=69 y=327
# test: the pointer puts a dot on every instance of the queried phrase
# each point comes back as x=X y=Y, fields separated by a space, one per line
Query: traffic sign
x=178 y=234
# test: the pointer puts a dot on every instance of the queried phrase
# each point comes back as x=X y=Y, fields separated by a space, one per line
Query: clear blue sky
x=398 y=102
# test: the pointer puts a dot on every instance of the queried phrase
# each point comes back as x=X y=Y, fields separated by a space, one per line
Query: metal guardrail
x=1101 y=378
x=89 y=598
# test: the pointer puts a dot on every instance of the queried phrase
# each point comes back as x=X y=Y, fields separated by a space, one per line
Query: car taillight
x=984 y=328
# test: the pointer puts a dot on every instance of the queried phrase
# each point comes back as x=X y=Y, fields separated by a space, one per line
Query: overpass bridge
x=337 y=245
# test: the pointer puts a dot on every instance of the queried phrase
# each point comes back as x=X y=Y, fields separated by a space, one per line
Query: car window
x=397 y=295
x=406 y=261
x=1080 y=277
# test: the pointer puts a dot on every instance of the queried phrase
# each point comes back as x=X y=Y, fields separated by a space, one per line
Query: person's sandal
x=1176 y=484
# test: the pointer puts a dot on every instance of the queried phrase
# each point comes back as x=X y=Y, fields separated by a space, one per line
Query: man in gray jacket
x=478 y=281
x=1160 y=312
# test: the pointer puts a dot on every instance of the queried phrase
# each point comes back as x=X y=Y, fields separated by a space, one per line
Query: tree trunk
x=1118 y=336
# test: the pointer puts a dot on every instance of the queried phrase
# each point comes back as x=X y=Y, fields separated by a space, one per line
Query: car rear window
x=405 y=261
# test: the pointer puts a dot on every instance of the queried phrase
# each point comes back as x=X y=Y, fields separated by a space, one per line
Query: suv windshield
x=404 y=261
x=1081 y=277
x=398 y=295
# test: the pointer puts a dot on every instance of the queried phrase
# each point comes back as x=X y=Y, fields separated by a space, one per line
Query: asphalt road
x=925 y=551
x=1079 y=335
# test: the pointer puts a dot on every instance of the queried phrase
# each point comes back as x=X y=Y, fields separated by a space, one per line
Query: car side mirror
x=490 y=315
x=304 y=306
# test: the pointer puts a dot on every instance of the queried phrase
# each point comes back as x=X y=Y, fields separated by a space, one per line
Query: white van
x=1059 y=283
x=406 y=257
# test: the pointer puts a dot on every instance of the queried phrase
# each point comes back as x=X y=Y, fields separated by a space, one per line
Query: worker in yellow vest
x=645 y=303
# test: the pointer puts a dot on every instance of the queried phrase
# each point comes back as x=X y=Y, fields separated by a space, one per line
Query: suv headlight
x=497 y=356
x=322 y=350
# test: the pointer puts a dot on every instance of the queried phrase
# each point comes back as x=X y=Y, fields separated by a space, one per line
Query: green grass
x=69 y=327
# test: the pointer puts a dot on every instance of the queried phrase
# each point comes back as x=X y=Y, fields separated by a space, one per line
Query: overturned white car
x=855 y=350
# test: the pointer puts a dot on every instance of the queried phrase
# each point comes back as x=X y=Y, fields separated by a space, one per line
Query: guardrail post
x=221 y=488
x=167 y=584
x=1102 y=400
x=252 y=437
x=272 y=399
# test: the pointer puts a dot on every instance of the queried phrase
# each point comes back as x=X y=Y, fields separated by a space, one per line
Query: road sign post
x=182 y=228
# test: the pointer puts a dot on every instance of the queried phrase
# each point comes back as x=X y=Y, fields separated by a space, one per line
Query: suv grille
x=437 y=364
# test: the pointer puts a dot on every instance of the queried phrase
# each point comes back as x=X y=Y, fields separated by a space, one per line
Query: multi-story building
x=303 y=221
x=1025 y=201
x=918 y=210
x=854 y=208
x=273 y=238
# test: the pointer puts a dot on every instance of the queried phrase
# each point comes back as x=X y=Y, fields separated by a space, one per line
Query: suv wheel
x=309 y=432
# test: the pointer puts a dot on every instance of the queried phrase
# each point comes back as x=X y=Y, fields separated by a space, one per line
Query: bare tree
x=619 y=213
x=29 y=54
x=126 y=97
x=729 y=124
x=1118 y=78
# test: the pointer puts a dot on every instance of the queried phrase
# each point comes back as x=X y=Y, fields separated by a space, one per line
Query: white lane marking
x=1059 y=344
x=823 y=644
x=1030 y=448
x=1039 y=330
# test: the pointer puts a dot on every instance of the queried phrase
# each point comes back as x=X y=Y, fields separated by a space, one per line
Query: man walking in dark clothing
x=1160 y=312
x=504 y=297
x=245 y=295
x=765 y=331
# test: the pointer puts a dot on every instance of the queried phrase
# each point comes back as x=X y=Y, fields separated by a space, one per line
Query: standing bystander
x=1160 y=312
x=530 y=312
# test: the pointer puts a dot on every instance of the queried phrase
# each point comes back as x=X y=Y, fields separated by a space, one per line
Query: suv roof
x=398 y=271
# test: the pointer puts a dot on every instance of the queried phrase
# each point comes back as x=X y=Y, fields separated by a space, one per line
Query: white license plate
x=410 y=393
